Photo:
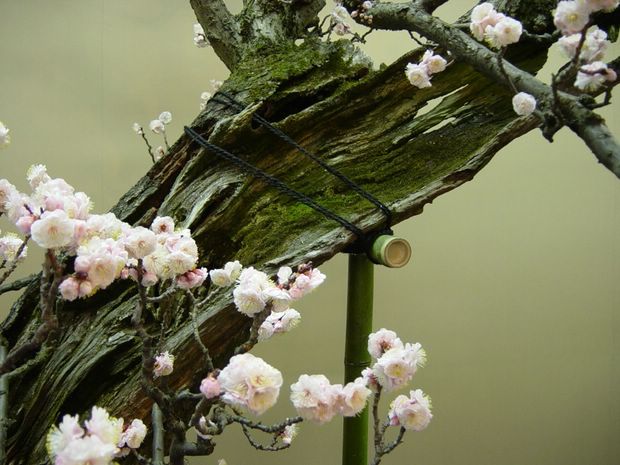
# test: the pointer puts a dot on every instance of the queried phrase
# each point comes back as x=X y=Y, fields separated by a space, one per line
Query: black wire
x=285 y=137
x=273 y=181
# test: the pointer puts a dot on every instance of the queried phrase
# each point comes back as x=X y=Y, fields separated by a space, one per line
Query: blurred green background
x=513 y=285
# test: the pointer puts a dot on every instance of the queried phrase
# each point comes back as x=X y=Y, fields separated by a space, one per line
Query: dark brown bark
x=371 y=125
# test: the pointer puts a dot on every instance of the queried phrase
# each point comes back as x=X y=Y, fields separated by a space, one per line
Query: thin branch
x=17 y=284
x=157 y=426
x=13 y=263
x=257 y=321
x=4 y=395
x=257 y=445
x=585 y=123
x=205 y=352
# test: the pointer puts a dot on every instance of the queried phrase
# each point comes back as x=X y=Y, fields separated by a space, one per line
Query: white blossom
x=164 y=364
x=278 y=322
x=523 y=104
x=227 y=275
x=381 y=341
x=483 y=15
x=165 y=117
x=571 y=16
x=157 y=126
x=137 y=129
x=594 y=46
x=418 y=75
x=507 y=31
x=53 y=230
x=315 y=398
x=5 y=138
x=413 y=412
x=592 y=76
x=133 y=436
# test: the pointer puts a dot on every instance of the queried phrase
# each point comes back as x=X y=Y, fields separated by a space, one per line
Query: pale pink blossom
x=593 y=49
x=248 y=295
x=163 y=225
x=571 y=16
x=381 y=341
x=278 y=298
x=227 y=275
x=248 y=381
x=192 y=278
x=17 y=205
x=102 y=260
x=69 y=289
x=284 y=274
x=592 y=76
x=482 y=16
x=289 y=434
x=278 y=322
x=6 y=190
x=133 y=436
x=164 y=365
x=210 y=387
x=37 y=175
x=397 y=366
x=418 y=75
x=434 y=63
x=306 y=283
x=370 y=380
x=24 y=223
x=315 y=398
x=353 y=397
x=88 y=450
x=523 y=104
x=413 y=412
x=507 y=31
x=53 y=230
x=60 y=436
x=102 y=425
x=9 y=246
x=140 y=242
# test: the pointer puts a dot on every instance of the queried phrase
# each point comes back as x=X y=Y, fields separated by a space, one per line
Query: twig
x=148 y=145
x=158 y=435
x=257 y=321
x=205 y=351
x=259 y=446
x=17 y=284
x=13 y=263
x=140 y=458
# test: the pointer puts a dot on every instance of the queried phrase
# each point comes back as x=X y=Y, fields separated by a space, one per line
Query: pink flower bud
x=210 y=387
x=69 y=289
x=24 y=223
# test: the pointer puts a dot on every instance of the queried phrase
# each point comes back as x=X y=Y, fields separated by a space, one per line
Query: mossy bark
x=404 y=145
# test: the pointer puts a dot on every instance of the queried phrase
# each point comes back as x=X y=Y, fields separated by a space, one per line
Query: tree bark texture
x=404 y=145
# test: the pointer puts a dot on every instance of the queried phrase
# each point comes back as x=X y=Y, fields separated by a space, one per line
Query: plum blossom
x=165 y=117
x=200 y=39
x=523 y=104
x=9 y=247
x=507 y=31
x=418 y=75
x=5 y=138
x=192 y=278
x=305 y=282
x=315 y=399
x=482 y=16
x=137 y=129
x=571 y=16
x=164 y=364
x=381 y=341
x=278 y=322
x=101 y=260
x=605 y=5
x=353 y=397
x=140 y=242
x=592 y=76
x=105 y=427
x=339 y=18
x=248 y=294
x=434 y=63
x=75 y=288
x=157 y=126
x=37 y=175
x=289 y=434
x=413 y=412
x=397 y=366
x=210 y=387
x=53 y=230
x=163 y=225
x=133 y=436
x=227 y=275
x=248 y=381
x=6 y=191
x=594 y=46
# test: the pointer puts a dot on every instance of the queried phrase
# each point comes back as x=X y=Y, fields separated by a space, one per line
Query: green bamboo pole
x=359 y=326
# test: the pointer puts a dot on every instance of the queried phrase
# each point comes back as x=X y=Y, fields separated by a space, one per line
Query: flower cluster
x=572 y=19
x=100 y=441
x=396 y=363
x=5 y=138
x=413 y=412
x=164 y=365
x=105 y=248
x=420 y=74
x=316 y=399
x=340 y=18
x=361 y=13
x=496 y=28
x=200 y=39
x=254 y=291
x=157 y=126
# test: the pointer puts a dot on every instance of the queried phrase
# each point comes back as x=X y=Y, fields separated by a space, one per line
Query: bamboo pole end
x=390 y=251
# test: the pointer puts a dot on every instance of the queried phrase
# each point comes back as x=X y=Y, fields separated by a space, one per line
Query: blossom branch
x=585 y=123
x=205 y=351
x=259 y=446
x=220 y=28
x=257 y=321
